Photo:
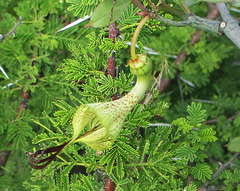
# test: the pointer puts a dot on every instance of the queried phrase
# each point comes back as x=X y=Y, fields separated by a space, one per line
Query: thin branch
x=141 y=6
x=230 y=25
x=215 y=120
x=192 y=21
x=157 y=84
x=175 y=12
x=111 y=59
x=184 y=6
x=109 y=184
x=173 y=23
x=135 y=36
x=222 y=167
x=3 y=160
x=12 y=31
x=24 y=101
x=213 y=11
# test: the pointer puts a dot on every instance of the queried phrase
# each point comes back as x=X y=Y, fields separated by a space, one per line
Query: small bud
x=141 y=65
x=98 y=153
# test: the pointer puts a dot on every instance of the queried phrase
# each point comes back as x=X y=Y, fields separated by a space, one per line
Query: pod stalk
x=135 y=36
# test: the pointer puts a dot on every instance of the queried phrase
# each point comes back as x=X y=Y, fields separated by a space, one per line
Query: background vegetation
x=174 y=139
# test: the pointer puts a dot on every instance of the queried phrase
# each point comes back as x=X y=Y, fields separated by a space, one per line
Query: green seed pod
x=104 y=120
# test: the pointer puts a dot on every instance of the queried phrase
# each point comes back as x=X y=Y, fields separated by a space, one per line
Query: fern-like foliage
x=82 y=7
x=232 y=179
x=65 y=182
x=196 y=114
x=202 y=171
x=64 y=70
x=192 y=148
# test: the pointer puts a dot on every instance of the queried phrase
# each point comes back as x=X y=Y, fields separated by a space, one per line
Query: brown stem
x=215 y=120
x=24 y=101
x=3 y=160
x=213 y=11
x=109 y=184
x=26 y=95
x=141 y=6
x=111 y=59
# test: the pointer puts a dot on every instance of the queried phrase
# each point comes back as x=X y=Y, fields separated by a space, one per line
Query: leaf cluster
x=64 y=70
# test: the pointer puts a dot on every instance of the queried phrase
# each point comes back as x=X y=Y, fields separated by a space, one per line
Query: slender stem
x=180 y=14
x=24 y=102
x=151 y=4
x=156 y=85
x=12 y=31
x=4 y=155
x=139 y=5
x=111 y=59
x=135 y=35
x=109 y=184
x=184 y=6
